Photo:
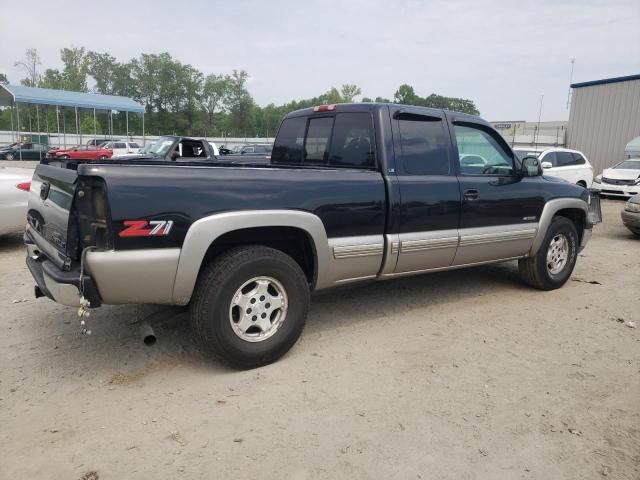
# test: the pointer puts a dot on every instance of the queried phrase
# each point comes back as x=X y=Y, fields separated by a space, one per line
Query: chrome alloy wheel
x=557 y=254
x=258 y=309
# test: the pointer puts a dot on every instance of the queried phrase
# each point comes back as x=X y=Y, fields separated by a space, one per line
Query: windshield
x=526 y=153
x=161 y=146
x=629 y=165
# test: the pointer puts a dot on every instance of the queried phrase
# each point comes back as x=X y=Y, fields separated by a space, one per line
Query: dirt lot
x=456 y=375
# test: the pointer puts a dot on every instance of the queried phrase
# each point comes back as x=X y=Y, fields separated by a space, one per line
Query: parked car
x=9 y=146
x=96 y=142
x=120 y=148
x=85 y=152
x=172 y=148
x=570 y=165
x=25 y=151
x=621 y=180
x=631 y=215
x=14 y=188
x=256 y=149
x=343 y=200
x=215 y=149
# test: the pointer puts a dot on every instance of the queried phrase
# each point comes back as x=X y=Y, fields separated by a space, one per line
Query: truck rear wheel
x=552 y=265
x=250 y=306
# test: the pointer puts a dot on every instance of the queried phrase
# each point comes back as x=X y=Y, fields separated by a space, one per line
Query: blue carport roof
x=47 y=96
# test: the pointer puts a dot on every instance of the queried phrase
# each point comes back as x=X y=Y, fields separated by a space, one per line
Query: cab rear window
x=340 y=140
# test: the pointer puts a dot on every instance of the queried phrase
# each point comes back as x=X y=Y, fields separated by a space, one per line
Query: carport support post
x=94 y=124
x=64 y=128
x=38 y=121
x=58 y=123
x=77 y=130
x=18 y=139
x=144 y=142
x=126 y=114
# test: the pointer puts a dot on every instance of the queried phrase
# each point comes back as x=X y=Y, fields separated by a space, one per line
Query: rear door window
x=423 y=145
x=565 y=159
x=352 y=144
x=290 y=140
x=316 y=145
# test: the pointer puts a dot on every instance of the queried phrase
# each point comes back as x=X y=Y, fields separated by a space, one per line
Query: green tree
x=74 y=72
x=348 y=92
x=406 y=95
x=214 y=91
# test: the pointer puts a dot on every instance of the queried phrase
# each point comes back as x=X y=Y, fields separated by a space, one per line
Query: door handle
x=471 y=194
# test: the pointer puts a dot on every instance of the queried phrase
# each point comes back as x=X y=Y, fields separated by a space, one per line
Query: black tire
x=534 y=270
x=210 y=309
x=103 y=158
x=64 y=157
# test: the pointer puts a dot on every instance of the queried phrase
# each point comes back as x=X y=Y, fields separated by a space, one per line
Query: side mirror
x=546 y=165
x=531 y=167
x=175 y=155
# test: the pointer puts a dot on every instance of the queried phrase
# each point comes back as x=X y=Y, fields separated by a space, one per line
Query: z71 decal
x=145 y=228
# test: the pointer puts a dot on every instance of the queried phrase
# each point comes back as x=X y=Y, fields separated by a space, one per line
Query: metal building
x=604 y=117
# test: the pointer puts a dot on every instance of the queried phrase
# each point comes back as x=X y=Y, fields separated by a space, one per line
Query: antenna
x=573 y=62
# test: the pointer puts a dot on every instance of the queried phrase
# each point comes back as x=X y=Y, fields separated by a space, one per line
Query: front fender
x=551 y=208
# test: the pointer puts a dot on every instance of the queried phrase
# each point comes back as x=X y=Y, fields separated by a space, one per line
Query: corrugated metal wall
x=603 y=119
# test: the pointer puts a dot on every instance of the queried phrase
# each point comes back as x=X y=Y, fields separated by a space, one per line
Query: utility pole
x=573 y=62
x=539 y=117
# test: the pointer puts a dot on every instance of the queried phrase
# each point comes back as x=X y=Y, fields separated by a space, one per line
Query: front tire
x=9 y=156
x=552 y=265
x=250 y=306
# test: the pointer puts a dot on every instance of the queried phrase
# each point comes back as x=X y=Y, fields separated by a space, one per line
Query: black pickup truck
x=352 y=193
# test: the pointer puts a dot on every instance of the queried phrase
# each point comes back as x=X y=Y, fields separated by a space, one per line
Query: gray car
x=631 y=215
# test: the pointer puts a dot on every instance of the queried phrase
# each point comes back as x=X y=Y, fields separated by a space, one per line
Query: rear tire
x=64 y=157
x=9 y=156
x=551 y=266
x=256 y=333
x=103 y=158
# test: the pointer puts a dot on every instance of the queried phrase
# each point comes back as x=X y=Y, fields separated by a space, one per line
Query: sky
x=505 y=56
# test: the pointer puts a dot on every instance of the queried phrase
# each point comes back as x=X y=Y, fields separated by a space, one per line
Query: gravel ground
x=457 y=375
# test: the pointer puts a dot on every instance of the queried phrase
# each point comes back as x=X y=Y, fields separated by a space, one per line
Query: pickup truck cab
x=352 y=193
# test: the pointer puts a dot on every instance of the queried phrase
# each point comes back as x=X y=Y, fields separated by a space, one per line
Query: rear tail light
x=24 y=186
x=324 y=108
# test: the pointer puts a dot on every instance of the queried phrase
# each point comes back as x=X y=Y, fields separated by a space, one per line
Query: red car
x=84 y=152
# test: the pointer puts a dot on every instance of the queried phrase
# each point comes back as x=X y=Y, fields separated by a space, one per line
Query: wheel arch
x=574 y=209
x=213 y=235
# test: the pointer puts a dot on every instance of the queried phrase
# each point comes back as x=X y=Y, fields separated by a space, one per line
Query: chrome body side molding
x=355 y=258
x=425 y=250
x=548 y=212
x=205 y=231
x=490 y=243
x=134 y=276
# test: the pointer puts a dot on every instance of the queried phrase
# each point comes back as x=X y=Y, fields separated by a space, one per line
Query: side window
x=316 y=145
x=479 y=153
x=352 y=144
x=578 y=159
x=424 y=145
x=289 y=141
x=564 y=159
x=120 y=145
x=551 y=158
x=134 y=145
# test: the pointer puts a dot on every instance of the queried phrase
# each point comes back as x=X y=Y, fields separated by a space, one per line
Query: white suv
x=570 y=165
x=122 y=148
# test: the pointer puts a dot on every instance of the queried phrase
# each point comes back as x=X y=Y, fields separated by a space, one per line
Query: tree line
x=180 y=99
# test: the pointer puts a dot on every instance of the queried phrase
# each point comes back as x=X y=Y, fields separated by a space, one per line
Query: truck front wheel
x=552 y=265
x=250 y=306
